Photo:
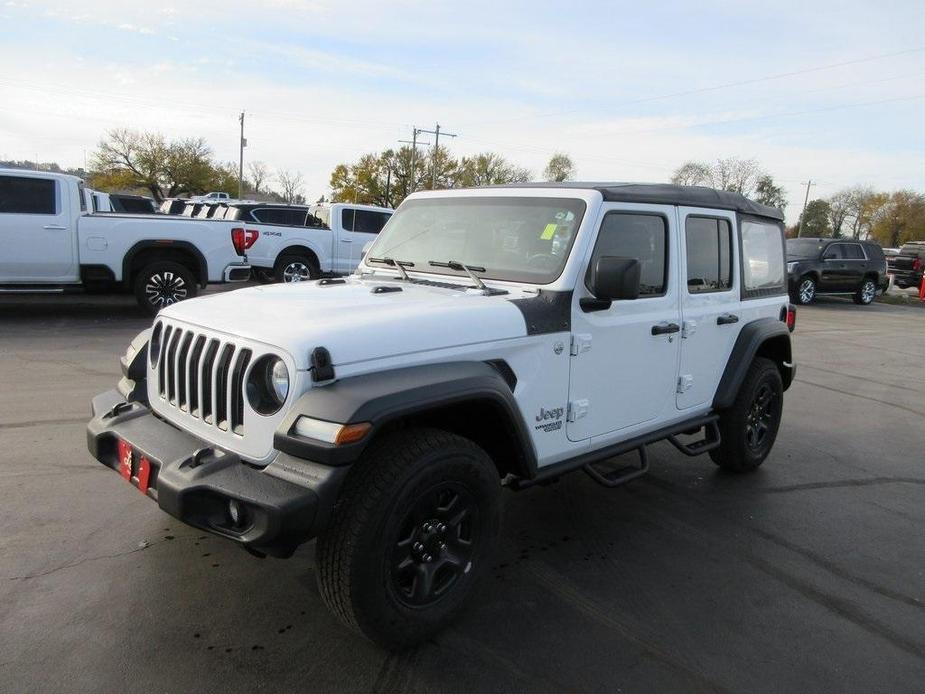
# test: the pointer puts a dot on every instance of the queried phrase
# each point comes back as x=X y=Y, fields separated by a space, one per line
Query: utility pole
x=243 y=144
x=436 y=133
x=808 y=184
x=414 y=152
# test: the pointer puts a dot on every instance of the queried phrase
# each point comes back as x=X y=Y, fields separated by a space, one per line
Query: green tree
x=814 y=221
x=130 y=159
x=560 y=168
x=768 y=193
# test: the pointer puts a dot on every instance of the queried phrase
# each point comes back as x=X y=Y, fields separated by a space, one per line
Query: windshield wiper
x=468 y=269
x=399 y=265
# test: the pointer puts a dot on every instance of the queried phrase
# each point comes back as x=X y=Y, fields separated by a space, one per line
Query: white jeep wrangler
x=491 y=337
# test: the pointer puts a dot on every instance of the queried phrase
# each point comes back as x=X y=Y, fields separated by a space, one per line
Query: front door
x=709 y=302
x=625 y=358
x=35 y=231
x=835 y=273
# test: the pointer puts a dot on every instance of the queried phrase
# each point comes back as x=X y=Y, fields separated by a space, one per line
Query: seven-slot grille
x=203 y=376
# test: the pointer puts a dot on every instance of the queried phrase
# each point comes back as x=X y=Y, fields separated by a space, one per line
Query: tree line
x=128 y=160
x=388 y=177
x=890 y=218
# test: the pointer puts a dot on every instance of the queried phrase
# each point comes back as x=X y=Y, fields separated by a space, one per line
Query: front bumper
x=284 y=504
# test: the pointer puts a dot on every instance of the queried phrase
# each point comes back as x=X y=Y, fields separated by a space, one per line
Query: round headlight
x=279 y=380
x=154 y=345
x=268 y=384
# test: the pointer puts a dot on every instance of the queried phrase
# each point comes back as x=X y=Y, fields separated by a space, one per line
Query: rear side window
x=640 y=236
x=283 y=216
x=762 y=258
x=854 y=252
x=82 y=193
x=369 y=222
x=21 y=195
x=709 y=254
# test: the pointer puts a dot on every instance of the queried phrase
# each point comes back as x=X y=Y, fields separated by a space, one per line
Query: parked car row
x=59 y=236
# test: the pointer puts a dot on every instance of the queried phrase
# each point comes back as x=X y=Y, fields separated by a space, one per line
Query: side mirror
x=613 y=279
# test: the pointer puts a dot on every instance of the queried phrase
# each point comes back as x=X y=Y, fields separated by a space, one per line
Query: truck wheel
x=806 y=291
x=296 y=268
x=163 y=283
x=413 y=530
x=749 y=427
x=866 y=293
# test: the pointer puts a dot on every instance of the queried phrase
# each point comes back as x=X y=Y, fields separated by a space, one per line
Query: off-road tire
x=740 y=450
x=163 y=283
x=296 y=268
x=866 y=292
x=805 y=293
x=378 y=502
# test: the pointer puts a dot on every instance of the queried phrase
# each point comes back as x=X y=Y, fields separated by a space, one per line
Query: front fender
x=384 y=397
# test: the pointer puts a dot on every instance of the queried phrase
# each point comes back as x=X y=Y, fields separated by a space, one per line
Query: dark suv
x=908 y=265
x=835 y=266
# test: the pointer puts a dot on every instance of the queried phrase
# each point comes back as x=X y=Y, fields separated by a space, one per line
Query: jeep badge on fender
x=493 y=337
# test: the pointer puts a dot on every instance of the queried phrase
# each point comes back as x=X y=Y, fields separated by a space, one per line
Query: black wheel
x=163 y=283
x=296 y=268
x=866 y=292
x=413 y=531
x=749 y=427
x=806 y=291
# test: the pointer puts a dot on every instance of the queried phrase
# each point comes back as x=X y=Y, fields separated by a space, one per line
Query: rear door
x=709 y=302
x=856 y=265
x=36 y=232
x=624 y=360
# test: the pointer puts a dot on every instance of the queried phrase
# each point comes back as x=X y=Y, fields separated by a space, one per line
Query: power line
x=436 y=133
x=726 y=85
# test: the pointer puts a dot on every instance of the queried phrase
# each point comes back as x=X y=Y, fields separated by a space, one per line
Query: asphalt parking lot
x=808 y=575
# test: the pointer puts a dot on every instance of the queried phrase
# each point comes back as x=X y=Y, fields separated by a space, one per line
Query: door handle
x=55 y=227
x=727 y=319
x=346 y=241
x=665 y=328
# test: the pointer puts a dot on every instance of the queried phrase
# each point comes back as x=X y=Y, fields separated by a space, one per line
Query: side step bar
x=710 y=440
x=620 y=475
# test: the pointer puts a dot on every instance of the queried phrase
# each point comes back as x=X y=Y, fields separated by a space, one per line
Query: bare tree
x=291 y=183
x=840 y=207
x=737 y=175
x=259 y=173
x=691 y=174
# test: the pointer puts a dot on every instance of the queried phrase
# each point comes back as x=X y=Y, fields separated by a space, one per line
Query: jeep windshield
x=518 y=239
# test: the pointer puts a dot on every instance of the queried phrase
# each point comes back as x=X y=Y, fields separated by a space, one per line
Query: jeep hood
x=358 y=320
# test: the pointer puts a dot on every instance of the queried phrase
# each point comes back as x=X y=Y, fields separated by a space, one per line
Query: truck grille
x=203 y=376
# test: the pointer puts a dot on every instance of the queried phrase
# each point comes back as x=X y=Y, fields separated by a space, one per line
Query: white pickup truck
x=52 y=242
x=298 y=242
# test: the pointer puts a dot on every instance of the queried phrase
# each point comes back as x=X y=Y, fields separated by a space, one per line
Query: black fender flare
x=383 y=397
x=762 y=337
x=164 y=245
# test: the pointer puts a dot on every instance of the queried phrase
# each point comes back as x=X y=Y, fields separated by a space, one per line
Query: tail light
x=916 y=264
x=791 y=317
x=242 y=239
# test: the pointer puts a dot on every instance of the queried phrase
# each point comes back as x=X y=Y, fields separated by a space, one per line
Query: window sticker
x=549 y=232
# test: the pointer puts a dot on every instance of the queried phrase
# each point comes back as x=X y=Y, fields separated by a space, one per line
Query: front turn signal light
x=330 y=432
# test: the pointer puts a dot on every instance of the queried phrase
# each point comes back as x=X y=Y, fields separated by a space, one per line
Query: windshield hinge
x=580 y=343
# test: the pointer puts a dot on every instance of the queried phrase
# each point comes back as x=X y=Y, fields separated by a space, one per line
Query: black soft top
x=667 y=194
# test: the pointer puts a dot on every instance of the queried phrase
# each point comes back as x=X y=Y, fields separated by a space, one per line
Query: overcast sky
x=832 y=91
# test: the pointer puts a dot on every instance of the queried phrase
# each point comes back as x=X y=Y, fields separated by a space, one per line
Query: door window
x=640 y=236
x=21 y=195
x=834 y=252
x=709 y=255
x=347 y=219
x=369 y=222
